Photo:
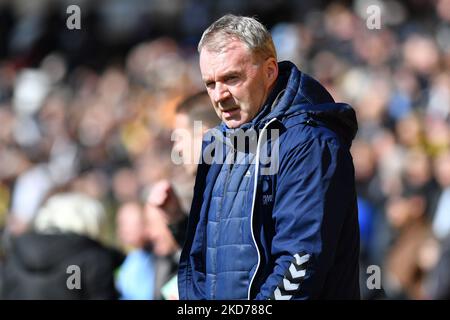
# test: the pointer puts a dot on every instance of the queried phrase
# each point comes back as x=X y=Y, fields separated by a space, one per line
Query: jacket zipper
x=255 y=187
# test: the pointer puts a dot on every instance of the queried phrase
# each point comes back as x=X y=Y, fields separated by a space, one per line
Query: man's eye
x=232 y=79
x=210 y=85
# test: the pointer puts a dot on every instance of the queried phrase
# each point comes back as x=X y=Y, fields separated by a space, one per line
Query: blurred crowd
x=90 y=112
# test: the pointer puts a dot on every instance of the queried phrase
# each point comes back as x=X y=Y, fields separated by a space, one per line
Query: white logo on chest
x=266 y=198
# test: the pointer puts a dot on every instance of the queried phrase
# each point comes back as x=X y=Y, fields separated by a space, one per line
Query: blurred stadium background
x=91 y=110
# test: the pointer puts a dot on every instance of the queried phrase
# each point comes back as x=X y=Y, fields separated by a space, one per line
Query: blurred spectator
x=441 y=217
x=405 y=273
x=194 y=116
x=165 y=252
x=136 y=276
x=67 y=232
x=437 y=285
x=164 y=203
x=417 y=178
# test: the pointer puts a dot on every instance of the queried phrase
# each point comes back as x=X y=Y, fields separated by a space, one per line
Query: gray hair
x=248 y=30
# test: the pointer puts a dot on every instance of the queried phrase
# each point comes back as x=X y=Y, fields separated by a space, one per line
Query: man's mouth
x=229 y=112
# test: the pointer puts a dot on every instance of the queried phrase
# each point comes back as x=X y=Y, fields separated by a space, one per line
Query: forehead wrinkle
x=225 y=65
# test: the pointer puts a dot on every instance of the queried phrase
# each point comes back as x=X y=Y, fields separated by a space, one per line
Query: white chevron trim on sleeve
x=301 y=260
x=292 y=280
x=279 y=296
x=289 y=286
x=296 y=274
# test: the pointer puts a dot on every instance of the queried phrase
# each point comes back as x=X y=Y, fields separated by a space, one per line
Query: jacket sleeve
x=311 y=201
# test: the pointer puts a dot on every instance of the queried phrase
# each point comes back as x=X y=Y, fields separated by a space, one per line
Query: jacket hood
x=40 y=252
x=296 y=92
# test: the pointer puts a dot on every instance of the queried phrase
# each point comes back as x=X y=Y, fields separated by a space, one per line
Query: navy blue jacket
x=288 y=233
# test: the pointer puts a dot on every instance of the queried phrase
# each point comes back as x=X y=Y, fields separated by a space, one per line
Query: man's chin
x=233 y=124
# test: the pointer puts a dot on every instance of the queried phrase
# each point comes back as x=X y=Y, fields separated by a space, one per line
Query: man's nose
x=221 y=92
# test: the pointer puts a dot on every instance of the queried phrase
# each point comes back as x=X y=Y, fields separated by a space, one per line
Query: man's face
x=158 y=233
x=237 y=81
x=129 y=225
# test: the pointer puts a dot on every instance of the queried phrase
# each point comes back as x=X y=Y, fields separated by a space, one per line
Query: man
x=193 y=110
x=193 y=117
x=290 y=233
x=135 y=278
x=164 y=249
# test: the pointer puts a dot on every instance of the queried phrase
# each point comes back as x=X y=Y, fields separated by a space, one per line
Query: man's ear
x=271 y=70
